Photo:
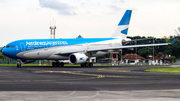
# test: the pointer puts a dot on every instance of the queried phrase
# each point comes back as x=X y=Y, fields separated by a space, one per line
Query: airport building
x=132 y=59
x=158 y=60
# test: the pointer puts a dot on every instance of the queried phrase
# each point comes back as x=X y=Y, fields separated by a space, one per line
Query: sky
x=31 y=19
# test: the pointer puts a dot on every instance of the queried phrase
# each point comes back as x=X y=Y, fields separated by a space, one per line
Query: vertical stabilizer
x=123 y=25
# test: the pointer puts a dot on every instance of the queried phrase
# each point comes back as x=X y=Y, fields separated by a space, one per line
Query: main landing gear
x=58 y=64
x=86 y=64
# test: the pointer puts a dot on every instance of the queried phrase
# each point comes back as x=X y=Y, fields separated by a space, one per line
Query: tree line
x=168 y=50
x=172 y=50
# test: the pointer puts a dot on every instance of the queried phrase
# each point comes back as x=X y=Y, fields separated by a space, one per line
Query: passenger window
x=7 y=46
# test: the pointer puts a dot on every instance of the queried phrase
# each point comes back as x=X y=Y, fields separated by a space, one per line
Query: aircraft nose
x=9 y=52
x=4 y=51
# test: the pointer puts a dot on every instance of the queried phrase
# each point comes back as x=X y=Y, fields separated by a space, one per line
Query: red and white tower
x=52 y=30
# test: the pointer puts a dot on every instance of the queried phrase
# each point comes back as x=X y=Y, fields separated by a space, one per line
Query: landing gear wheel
x=62 y=64
x=18 y=65
x=86 y=64
x=82 y=64
x=54 y=64
x=90 y=64
x=57 y=64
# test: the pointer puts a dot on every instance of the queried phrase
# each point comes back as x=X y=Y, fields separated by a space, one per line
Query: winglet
x=172 y=42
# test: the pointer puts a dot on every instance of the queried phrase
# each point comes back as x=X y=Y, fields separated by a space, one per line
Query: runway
x=85 y=79
x=123 y=83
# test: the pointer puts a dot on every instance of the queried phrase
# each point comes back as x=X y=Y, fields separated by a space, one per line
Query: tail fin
x=123 y=25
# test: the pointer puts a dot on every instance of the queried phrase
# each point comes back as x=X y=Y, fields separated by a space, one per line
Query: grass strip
x=164 y=70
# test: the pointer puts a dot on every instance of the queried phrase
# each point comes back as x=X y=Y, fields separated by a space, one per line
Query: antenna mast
x=52 y=30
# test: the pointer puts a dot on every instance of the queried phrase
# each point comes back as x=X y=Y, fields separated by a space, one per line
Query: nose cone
x=4 y=51
x=9 y=53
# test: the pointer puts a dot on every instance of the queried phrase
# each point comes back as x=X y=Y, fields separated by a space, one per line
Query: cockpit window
x=9 y=46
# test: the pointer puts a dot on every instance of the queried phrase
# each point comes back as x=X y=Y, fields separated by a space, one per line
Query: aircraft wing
x=128 y=46
x=117 y=47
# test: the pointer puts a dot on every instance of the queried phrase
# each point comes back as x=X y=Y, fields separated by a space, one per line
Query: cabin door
x=22 y=45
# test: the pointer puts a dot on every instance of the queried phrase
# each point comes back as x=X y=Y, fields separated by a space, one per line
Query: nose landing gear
x=18 y=63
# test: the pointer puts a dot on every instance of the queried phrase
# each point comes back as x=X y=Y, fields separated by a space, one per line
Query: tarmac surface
x=92 y=83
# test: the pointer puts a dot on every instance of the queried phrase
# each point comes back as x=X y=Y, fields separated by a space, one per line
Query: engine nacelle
x=28 y=61
x=77 y=58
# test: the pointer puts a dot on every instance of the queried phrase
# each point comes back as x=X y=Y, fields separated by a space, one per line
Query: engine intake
x=77 y=58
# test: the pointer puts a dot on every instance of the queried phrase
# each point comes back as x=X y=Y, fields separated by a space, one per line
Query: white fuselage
x=54 y=53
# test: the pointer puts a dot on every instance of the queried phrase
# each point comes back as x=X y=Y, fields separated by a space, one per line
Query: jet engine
x=28 y=61
x=76 y=58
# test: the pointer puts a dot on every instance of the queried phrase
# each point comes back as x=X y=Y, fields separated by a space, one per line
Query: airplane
x=77 y=50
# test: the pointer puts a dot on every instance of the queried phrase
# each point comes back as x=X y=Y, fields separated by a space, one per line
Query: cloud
x=162 y=33
x=118 y=1
x=115 y=8
x=3 y=1
x=32 y=9
x=63 y=8
x=115 y=5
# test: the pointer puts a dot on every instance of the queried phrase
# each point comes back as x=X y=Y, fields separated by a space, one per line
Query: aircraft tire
x=62 y=64
x=82 y=64
x=90 y=64
x=18 y=65
x=54 y=64
x=58 y=64
x=86 y=64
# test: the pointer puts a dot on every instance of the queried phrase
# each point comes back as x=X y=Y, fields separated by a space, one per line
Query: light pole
x=153 y=51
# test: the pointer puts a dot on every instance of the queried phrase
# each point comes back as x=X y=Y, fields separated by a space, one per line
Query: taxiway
x=85 y=79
